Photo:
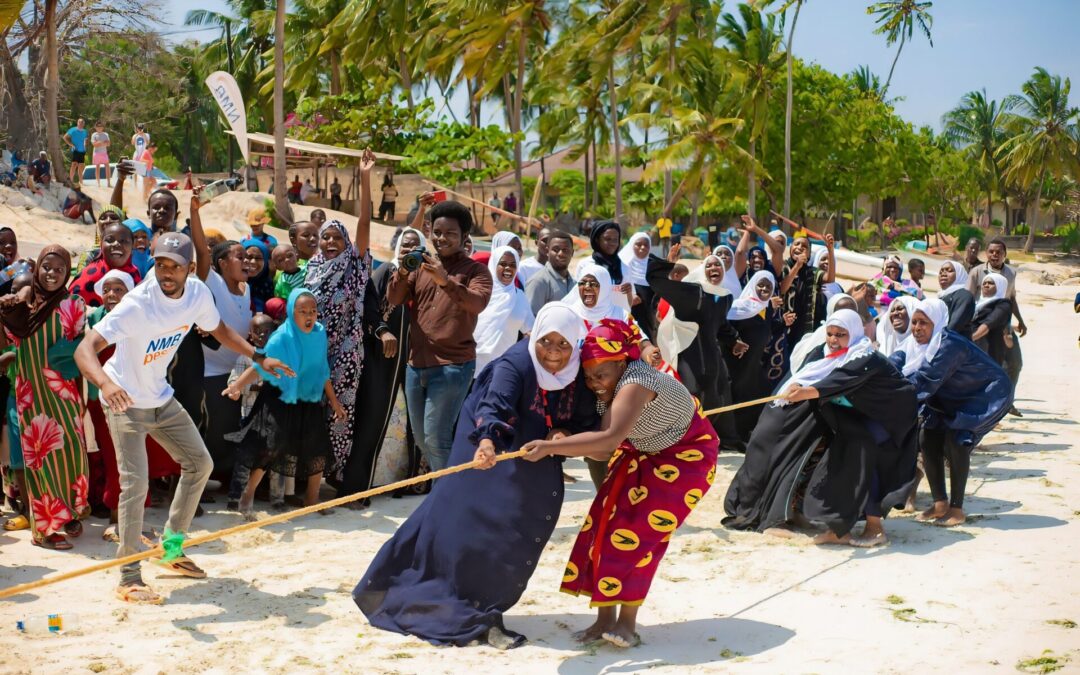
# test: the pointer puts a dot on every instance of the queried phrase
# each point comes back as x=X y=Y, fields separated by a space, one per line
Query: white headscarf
x=887 y=338
x=555 y=317
x=858 y=346
x=812 y=341
x=503 y=238
x=1001 y=285
x=124 y=277
x=636 y=266
x=674 y=335
x=748 y=304
x=817 y=256
x=916 y=354
x=960 y=282
x=397 y=246
x=507 y=313
x=731 y=280
x=605 y=307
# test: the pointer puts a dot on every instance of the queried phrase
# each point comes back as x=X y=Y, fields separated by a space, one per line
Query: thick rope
x=157 y=551
x=736 y=406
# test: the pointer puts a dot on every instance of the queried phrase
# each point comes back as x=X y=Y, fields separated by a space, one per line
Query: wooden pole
x=477 y=202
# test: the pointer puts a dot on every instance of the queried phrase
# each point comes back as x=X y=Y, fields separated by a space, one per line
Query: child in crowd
x=14 y=476
x=916 y=271
x=289 y=275
x=257 y=220
x=258 y=333
x=305 y=238
x=286 y=430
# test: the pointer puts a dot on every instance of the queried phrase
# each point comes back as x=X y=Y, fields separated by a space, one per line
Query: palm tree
x=281 y=199
x=9 y=13
x=787 y=111
x=700 y=119
x=1045 y=140
x=867 y=83
x=978 y=125
x=755 y=43
x=896 y=19
x=52 y=89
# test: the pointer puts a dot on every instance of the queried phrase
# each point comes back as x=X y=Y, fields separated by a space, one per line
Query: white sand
x=978 y=598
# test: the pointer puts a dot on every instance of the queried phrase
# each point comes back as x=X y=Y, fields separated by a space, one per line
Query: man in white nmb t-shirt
x=147 y=328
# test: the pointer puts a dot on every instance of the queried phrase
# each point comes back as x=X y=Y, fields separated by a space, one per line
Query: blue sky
x=994 y=44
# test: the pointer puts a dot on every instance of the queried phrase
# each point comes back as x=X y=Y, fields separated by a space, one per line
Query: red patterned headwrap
x=611 y=340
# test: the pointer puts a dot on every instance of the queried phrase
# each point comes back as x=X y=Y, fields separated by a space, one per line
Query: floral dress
x=48 y=400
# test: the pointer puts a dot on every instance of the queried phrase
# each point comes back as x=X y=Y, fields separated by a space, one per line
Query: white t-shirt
x=147 y=328
x=235 y=311
x=528 y=267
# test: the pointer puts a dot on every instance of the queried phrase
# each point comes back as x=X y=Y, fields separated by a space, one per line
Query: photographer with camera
x=447 y=291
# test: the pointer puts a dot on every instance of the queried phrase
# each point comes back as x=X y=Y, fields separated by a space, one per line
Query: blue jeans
x=434 y=397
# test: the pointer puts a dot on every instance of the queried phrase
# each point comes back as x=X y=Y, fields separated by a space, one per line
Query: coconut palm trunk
x=52 y=89
x=281 y=198
x=1029 y=244
x=617 y=143
x=751 y=189
x=891 y=69
x=787 y=116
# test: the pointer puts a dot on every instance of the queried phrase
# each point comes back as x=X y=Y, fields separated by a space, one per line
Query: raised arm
x=742 y=252
x=198 y=238
x=123 y=170
x=362 y=239
x=426 y=200
x=830 y=255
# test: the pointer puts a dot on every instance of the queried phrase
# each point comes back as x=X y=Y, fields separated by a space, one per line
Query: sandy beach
x=994 y=595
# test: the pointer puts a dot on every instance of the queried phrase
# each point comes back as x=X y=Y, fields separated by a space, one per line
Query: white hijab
x=674 y=335
x=507 y=310
x=748 y=303
x=887 y=338
x=1001 y=285
x=124 y=277
x=960 y=282
x=555 y=317
x=503 y=238
x=605 y=307
x=812 y=341
x=397 y=246
x=635 y=265
x=859 y=345
x=731 y=280
x=916 y=354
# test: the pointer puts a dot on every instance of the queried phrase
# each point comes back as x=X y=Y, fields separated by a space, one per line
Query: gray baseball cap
x=176 y=247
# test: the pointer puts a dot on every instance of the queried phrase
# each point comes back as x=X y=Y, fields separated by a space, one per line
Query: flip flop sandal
x=621 y=642
x=183 y=566
x=112 y=535
x=73 y=528
x=138 y=595
x=54 y=542
x=19 y=522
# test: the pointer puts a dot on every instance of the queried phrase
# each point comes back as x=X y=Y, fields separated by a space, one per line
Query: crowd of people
x=169 y=355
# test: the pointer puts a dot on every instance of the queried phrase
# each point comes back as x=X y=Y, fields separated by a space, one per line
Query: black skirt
x=287 y=438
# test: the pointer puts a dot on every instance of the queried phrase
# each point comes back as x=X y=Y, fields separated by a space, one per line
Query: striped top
x=666 y=418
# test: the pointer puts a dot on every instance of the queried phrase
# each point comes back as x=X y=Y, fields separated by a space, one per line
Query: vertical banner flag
x=227 y=94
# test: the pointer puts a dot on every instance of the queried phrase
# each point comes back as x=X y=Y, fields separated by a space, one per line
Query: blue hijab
x=140 y=259
x=262 y=286
x=304 y=352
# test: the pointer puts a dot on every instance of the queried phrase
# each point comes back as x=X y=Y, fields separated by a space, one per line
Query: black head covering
x=611 y=263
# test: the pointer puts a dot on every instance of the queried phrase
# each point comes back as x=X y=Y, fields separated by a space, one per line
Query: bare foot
x=594 y=632
x=953 y=518
x=909 y=506
x=781 y=532
x=938 y=510
x=828 y=537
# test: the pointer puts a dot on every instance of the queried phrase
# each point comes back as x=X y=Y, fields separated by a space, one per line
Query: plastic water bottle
x=44 y=625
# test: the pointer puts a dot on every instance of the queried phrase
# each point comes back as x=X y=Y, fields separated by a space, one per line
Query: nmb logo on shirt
x=164 y=345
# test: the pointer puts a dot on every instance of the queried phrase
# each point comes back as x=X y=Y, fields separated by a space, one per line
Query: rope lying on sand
x=157 y=551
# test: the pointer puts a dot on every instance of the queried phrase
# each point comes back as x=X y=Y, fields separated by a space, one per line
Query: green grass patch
x=894 y=600
x=1047 y=663
x=1064 y=623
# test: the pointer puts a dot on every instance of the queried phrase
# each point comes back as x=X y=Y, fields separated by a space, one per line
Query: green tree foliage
x=455 y=153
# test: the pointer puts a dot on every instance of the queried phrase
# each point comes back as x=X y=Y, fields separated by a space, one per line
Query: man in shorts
x=76 y=140
x=147 y=327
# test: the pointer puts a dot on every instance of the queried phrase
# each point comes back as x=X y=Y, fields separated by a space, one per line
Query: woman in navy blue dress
x=464 y=557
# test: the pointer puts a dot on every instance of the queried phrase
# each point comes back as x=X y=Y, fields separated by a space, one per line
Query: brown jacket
x=442 y=320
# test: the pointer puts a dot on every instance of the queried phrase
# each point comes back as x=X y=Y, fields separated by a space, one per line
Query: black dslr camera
x=412 y=260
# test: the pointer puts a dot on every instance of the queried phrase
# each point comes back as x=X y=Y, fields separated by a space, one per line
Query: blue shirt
x=78 y=138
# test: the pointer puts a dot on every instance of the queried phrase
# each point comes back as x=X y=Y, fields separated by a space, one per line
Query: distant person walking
x=510 y=203
x=139 y=141
x=388 y=205
x=497 y=203
x=100 y=142
x=76 y=140
x=335 y=195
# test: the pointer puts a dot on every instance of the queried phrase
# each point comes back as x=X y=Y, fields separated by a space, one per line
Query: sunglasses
x=588 y=284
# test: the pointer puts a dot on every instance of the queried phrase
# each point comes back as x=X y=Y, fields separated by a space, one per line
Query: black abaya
x=867 y=418
x=961 y=304
x=750 y=372
x=702 y=368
